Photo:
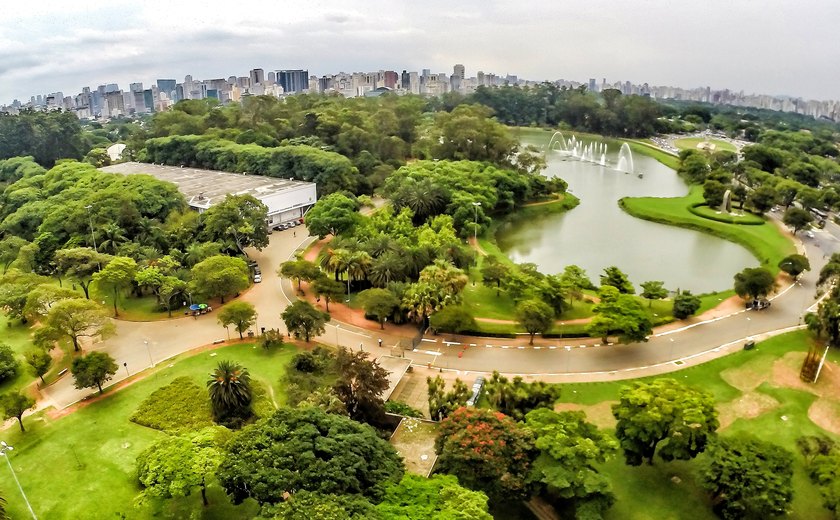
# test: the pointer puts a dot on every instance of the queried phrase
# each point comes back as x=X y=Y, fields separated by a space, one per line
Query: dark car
x=758 y=304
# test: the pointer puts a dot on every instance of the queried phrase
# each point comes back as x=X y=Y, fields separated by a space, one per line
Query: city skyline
x=769 y=49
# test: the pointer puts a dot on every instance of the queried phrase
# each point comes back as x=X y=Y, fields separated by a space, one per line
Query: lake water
x=597 y=233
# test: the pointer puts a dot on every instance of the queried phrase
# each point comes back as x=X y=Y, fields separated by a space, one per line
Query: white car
x=257 y=278
x=809 y=234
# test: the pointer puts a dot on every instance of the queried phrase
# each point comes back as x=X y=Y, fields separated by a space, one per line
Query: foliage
x=180 y=406
x=748 y=478
x=15 y=287
x=795 y=265
x=443 y=403
x=487 y=451
x=80 y=264
x=238 y=222
x=493 y=272
x=42 y=297
x=174 y=465
x=40 y=361
x=535 y=316
x=438 y=497
x=9 y=364
x=517 y=398
x=574 y=281
x=308 y=449
x=299 y=269
x=401 y=408
x=241 y=314
x=797 y=219
x=452 y=318
x=653 y=290
x=361 y=383
x=219 y=276
x=336 y=213
x=380 y=303
x=318 y=506
x=685 y=304
x=93 y=370
x=45 y=135
x=304 y=321
x=328 y=289
x=619 y=314
x=116 y=276
x=613 y=276
x=824 y=471
x=664 y=414
x=754 y=282
x=14 y=405
x=571 y=450
x=229 y=388
x=73 y=319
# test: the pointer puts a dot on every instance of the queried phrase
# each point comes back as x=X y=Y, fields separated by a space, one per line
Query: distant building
x=390 y=79
x=593 y=86
x=272 y=77
x=296 y=80
x=257 y=76
x=459 y=71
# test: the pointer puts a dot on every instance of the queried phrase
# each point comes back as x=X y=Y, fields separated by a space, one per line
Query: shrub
x=400 y=408
x=8 y=363
x=701 y=210
x=179 y=406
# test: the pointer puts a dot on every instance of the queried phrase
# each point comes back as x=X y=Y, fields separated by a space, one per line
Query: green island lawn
x=766 y=242
x=81 y=465
x=646 y=148
x=782 y=424
x=690 y=143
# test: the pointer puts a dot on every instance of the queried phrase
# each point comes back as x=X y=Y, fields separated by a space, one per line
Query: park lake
x=598 y=234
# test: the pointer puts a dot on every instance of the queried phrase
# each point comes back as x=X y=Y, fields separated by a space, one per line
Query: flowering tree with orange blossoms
x=488 y=451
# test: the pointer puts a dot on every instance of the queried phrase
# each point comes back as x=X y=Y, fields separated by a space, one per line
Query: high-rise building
x=479 y=78
x=149 y=100
x=257 y=76
x=167 y=86
x=293 y=80
x=405 y=80
x=459 y=71
x=272 y=77
x=390 y=79
x=593 y=87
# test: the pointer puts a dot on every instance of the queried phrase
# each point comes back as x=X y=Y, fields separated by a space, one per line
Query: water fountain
x=563 y=147
x=625 y=159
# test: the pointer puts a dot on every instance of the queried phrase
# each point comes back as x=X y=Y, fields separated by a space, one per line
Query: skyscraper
x=294 y=80
x=459 y=71
x=167 y=86
x=272 y=77
x=405 y=80
x=257 y=76
x=593 y=87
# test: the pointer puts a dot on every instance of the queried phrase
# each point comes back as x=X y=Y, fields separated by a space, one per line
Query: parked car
x=477 y=387
x=809 y=234
x=257 y=278
x=758 y=304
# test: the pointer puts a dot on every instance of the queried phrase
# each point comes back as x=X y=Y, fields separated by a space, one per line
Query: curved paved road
x=140 y=345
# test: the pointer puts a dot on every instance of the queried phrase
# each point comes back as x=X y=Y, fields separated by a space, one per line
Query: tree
x=73 y=319
x=169 y=288
x=40 y=361
x=14 y=405
x=795 y=265
x=685 y=304
x=653 y=290
x=380 y=303
x=229 y=388
x=535 y=316
x=40 y=300
x=9 y=248
x=748 y=478
x=174 y=465
x=516 y=398
x=443 y=403
x=361 y=383
x=15 y=288
x=308 y=449
x=435 y=497
x=304 y=320
x=8 y=362
x=241 y=314
x=493 y=272
x=487 y=451
x=797 y=219
x=299 y=270
x=614 y=277
x=823 y=467
x=93 y=370
x=328 y=289
x=664 y=409
x=452 y=318
x=762 y=198
x=238 y=221
x=571 y=449
x=80 y=264
x=754 y=282
x=116 y=277
x=219 y=276
x=332 y=215
x=713 y=193
x=319 y=506
x=619 y=314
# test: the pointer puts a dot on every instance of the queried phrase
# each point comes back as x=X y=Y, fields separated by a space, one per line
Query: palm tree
x=387 y=268
x=358 y=266
x=112 y=235
x=229 y=387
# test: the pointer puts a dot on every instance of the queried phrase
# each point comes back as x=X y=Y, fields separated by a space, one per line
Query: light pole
x=475 y=222
x=337 y=326
x=149 y=351
x=90 y=221
x=4 y=449
x=126 y=370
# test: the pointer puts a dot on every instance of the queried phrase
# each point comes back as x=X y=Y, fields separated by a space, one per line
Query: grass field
x=690 y=143
x=735 y=381
x=81 y=465
x=671 y=161
x=766 y=242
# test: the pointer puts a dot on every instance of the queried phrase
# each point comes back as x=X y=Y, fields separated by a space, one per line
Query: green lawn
x=690 y=143
x=781 y=425
x=81 y=465
x=766 y=242
x=645 y=148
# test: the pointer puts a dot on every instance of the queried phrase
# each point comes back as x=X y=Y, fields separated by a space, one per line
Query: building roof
x=202 y=188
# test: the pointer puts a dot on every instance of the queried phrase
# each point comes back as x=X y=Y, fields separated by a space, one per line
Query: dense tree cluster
x=46 y=136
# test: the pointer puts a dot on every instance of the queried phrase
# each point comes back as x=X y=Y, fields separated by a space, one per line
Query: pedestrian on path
x=380 y=342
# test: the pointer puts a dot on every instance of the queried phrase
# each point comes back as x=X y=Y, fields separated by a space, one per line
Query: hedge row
x=747 y=220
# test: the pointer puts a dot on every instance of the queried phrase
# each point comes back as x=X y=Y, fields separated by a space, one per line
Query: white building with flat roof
x=286 y=199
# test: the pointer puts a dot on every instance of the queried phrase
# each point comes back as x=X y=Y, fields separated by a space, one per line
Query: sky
x=778 y=47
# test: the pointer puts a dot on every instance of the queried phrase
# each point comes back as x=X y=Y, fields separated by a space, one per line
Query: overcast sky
x=762 y=46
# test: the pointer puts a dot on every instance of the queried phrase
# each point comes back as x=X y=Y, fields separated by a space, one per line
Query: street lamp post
x=149 y=351
x=337 y=326
x=126 y=370
x=475 y=221
x=4 y=451
x=90 y=221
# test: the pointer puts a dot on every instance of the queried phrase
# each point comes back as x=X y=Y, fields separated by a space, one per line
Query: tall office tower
x=458 y=70
x=628 y=88
x=405 y=80
x=479 y=78
x=293 y=80
x=272 y=77
x=257 y=76
x=149 y=100
x=427 y=73
x=455 y=83
x=390 y=79
x=593 y=87
x=135 y=87
x=167 y=86
x=414 y=82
